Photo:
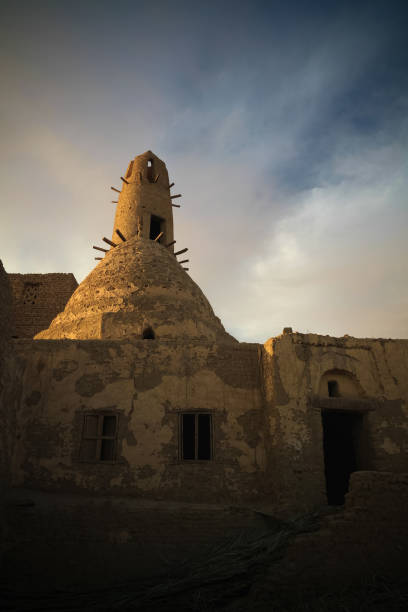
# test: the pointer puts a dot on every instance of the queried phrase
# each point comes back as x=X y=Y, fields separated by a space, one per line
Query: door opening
x=341 y=439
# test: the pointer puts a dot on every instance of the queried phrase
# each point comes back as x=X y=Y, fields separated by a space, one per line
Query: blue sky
x=284 y=126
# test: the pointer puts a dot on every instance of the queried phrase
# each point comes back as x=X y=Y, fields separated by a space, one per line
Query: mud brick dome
x=137 y=290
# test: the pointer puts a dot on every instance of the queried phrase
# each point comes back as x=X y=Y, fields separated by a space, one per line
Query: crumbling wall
x=294 y=366
x=7 y=376
x=38 y=298
x=148 y=383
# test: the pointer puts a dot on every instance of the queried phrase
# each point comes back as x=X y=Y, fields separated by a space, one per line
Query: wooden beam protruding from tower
x=114 y=201
x=186 y=268
x=100 y=249
x=121 y=236
x=109 y=241
x=171 y=185
x=158 y=236
x=175 y=196
x=170 y=244
x=175 y=205
x=124 y=180
x=114 y=189
x=180 y=252
x=98 y=258
x=184 y=261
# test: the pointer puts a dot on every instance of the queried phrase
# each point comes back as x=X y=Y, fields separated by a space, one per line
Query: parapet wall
x=38 y=298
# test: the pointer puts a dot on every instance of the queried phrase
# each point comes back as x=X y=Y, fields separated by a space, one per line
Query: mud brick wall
x=6 y=309
x=148 y=384
x=38 y=298
x=372 y=378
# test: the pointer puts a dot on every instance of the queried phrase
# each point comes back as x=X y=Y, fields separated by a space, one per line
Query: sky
x=283 y=124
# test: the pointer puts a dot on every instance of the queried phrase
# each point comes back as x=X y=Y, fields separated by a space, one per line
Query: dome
x=138 y=290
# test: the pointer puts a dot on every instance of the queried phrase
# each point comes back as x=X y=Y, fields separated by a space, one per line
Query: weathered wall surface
x=266 y=405
x=38 y=298
x=8 y=372
x=148 y=383
x=372 y=378
x=6 y=310
x=139 y=284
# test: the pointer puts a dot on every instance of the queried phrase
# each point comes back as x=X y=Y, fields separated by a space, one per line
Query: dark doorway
x=341 y=434
x=156 y=226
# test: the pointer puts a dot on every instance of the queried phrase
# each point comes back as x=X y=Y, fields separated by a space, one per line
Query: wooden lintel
x=100 y=249
x=114 y=189
x=171 y=185
x=182 y=251
x=124 y=180
x=175 y=196
x=170 y=244
x=158 y=236
x=109 y=242
x=175 y=205
x=184 y=261
x=156 y=179
x=121 y=236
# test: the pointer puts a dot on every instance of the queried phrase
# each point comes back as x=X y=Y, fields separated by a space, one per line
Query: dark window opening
x=333 y=388
x=148 y=334
x=341 y=438
x=156 y=226
x=150 y=176
x=99 y=437
x=196 y=436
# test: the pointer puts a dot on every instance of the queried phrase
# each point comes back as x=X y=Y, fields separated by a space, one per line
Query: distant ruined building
x=132 y=419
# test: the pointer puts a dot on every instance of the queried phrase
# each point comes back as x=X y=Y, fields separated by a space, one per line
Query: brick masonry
x=38 y=298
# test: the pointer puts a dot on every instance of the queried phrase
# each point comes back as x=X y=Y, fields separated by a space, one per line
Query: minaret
x=144 y=206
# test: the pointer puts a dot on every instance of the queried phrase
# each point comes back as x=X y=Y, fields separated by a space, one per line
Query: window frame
x=196 y=413
x=99 y=437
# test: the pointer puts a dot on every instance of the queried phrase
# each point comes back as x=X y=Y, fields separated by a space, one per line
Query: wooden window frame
x=181 y=450
x=99 y=437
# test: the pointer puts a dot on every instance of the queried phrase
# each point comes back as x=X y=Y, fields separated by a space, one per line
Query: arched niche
x=339 y=383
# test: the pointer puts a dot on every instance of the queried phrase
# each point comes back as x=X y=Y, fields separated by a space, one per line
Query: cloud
x=287 y=138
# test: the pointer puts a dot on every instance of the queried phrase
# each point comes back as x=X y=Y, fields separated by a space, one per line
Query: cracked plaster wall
x=148 y=383
x=294 y=365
